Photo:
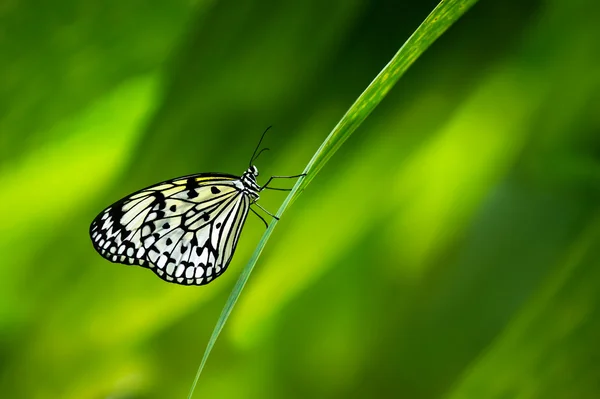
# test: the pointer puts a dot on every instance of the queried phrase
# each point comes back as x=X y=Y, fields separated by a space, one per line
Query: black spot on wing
x=191 y=183
x=159 y=200
x=116 y=213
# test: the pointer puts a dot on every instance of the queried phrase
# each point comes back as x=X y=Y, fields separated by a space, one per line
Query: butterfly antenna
x=260 y=152
x=258 y=146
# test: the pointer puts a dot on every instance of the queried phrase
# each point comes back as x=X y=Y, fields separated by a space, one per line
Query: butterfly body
x=185 y=229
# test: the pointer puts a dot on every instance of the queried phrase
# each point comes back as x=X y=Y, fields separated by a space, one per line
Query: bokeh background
x=450 y=249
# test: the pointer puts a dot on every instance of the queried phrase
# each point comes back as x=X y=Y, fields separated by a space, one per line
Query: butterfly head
x=248 y=179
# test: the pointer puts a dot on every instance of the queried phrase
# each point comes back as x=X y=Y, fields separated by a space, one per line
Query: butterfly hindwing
x=185 y=229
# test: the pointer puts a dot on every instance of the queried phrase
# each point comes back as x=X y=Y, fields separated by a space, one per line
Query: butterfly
x=185 y=229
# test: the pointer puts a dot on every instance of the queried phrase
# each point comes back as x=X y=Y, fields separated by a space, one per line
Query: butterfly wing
x=184 y=229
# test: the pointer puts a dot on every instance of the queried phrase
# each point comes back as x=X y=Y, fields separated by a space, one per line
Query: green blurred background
x=450 y=249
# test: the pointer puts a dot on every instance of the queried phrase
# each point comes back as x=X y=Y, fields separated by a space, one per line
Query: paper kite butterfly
x=184 y=229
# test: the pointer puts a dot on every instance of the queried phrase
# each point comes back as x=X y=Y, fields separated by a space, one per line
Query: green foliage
x=448 y=250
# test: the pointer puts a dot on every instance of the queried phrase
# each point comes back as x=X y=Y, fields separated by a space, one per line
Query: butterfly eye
x=254 y=170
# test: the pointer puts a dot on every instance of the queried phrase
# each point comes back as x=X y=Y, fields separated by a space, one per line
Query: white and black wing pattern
x=184 y=229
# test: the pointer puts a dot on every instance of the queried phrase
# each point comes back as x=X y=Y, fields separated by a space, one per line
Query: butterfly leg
x=266 y=186
x=265 y=211
x=260 y=217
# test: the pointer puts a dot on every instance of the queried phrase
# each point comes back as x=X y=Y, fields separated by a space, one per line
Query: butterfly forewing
x=185 y=229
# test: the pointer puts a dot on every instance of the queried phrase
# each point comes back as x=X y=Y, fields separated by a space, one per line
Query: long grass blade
x=440 y=19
